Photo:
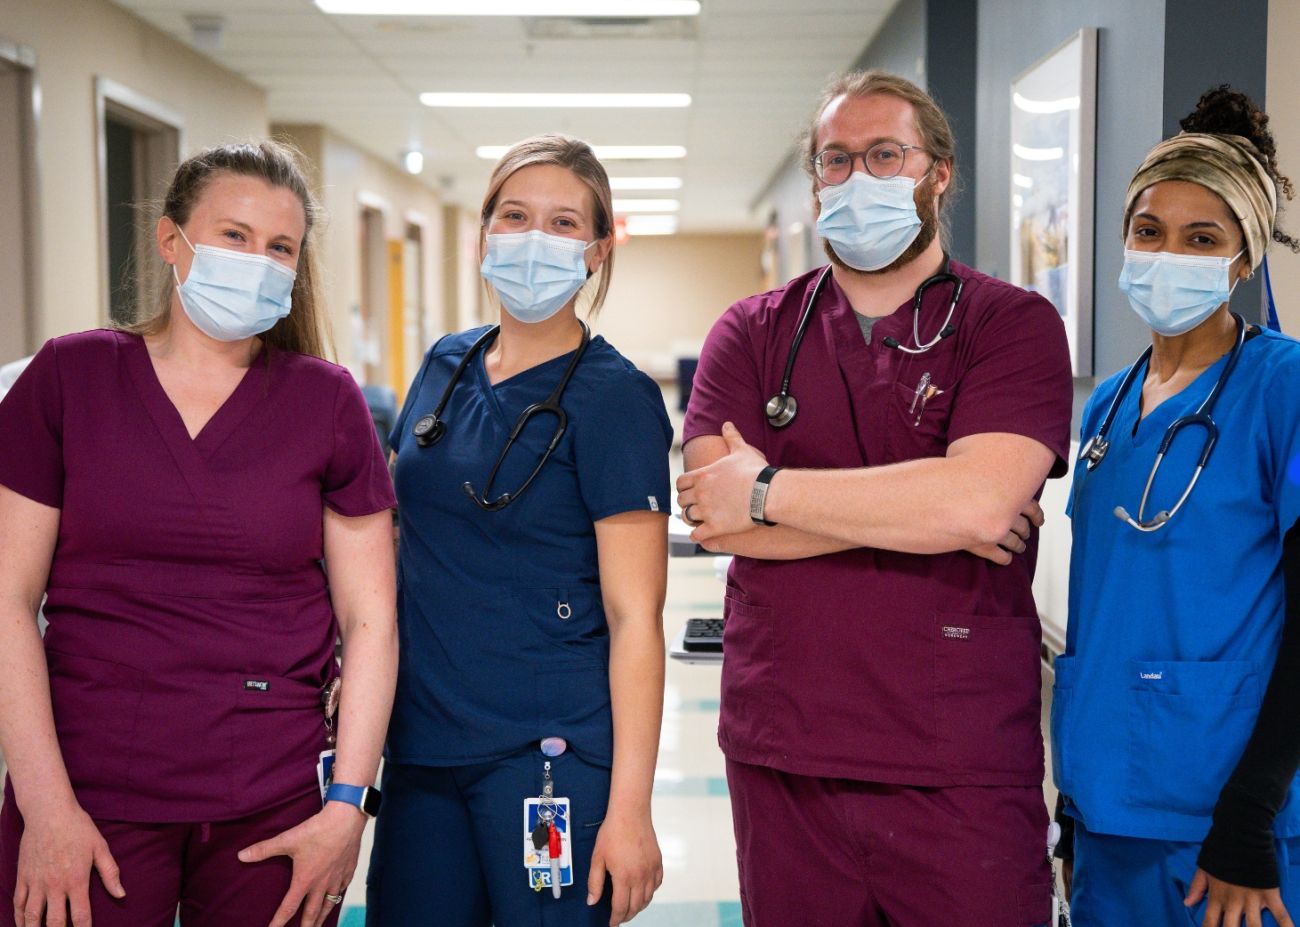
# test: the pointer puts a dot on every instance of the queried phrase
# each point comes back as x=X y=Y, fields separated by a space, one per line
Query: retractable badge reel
x=548 y=848
x=329 y=703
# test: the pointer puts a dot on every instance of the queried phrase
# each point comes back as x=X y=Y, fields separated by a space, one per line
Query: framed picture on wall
x=1053 y=144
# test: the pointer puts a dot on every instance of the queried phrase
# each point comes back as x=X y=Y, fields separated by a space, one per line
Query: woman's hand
x=626 y=848
x=1228 y=904
x=1030 y=517
x=324 y=851
x=57 y=851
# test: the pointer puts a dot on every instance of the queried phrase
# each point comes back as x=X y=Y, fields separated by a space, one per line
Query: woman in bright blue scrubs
x=1174 y=725
x=531 y=585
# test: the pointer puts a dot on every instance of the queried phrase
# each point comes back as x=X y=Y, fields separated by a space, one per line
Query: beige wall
x=1283 y=104
x=668 y=291
x=349 y=179
x=75 y=42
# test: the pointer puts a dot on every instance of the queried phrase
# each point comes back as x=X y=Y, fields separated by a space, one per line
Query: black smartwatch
x=758 y=496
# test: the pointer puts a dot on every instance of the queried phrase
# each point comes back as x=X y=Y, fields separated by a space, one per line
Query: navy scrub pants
x=448 y=845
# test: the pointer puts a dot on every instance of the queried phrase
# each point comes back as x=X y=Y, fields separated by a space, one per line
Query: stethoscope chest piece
x=781 y=410
x=1094 y=452
x=429 y=430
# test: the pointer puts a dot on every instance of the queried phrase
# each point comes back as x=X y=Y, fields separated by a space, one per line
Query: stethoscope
x=431 y=428
x=1094 y=452
x=782 y=408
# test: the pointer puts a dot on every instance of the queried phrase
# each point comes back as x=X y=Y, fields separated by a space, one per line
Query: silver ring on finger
x=333 y=899
x=686 y=516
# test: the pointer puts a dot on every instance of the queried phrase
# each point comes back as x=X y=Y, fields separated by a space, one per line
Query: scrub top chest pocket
x=924 y=391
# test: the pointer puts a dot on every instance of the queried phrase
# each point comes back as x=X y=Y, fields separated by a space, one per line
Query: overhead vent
x=595 y=27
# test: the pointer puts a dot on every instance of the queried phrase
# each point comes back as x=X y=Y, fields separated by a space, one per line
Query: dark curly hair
x=1224 y=111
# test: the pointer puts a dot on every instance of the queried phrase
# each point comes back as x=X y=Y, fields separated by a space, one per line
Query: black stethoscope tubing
x=1094 y=452
x=430 y=428
x=782 y=408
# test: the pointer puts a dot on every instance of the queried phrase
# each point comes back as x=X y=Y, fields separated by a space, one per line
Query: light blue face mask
x=231 y=296
x=534 y=273
x=1174 y=293
x=868 y=221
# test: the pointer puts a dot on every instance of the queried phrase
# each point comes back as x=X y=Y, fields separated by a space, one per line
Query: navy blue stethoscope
x=1094 y=452
x=431 y=428
x=782 y=408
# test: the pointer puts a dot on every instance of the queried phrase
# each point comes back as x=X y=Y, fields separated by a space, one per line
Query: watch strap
x=758 y=496
x=364 y=797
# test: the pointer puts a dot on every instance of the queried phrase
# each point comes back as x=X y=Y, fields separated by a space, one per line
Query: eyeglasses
x=884 y=160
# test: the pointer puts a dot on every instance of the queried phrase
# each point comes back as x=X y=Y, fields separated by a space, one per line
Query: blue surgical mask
x=534 y=274
x=231 y=296
x=868 y=221
x=1174 y=293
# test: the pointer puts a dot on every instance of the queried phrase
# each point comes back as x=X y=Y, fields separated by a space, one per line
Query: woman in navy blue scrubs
x=531 y=583
x=1174 y=717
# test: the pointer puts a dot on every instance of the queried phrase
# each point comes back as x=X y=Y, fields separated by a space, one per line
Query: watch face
x=370 y=801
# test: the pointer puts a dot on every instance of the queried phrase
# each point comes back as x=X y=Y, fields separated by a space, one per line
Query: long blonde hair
x=575 y=156
x=304 y=329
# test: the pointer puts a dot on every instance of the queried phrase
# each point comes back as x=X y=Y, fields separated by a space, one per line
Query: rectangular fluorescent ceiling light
x=603 y=9
x=651 y=225
x=645 y=183
x=604 y=152
x=626 y=206
x=558 y=100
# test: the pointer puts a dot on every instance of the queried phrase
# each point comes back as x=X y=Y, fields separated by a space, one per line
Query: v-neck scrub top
x=502 y=628
x=1173 y=634
x=190 y=625
x=871 y=664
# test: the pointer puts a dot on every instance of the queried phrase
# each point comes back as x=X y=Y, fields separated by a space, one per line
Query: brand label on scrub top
x=257 y=685
x=654 y=503
x=1151 y=675
x=957 y=634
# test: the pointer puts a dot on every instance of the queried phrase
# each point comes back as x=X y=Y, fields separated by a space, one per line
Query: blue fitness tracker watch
x=363 y=797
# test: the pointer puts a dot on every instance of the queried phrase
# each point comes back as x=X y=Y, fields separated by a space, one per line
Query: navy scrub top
x=1173 y=635
x=502 y=628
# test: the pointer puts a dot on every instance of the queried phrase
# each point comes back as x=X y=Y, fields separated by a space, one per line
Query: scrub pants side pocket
x=1188 y=725
x=1061 y=724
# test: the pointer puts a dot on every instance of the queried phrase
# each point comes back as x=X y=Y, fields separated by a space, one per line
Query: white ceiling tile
x=753 y=68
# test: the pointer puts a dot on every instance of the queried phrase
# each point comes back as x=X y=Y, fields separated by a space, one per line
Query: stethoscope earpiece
x=781 y=410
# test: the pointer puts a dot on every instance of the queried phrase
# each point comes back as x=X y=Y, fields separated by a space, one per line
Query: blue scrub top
x=1173 y=634
x=502 y=630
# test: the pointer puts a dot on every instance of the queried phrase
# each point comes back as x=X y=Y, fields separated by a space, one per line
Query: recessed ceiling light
x=651 y=225
x=604 y=9
x=558 y=100
x=414 y=162
x=604 y=152
x=626 y=206
x=645 y=183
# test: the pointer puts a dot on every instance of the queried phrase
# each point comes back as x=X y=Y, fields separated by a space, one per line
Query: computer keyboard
x=703 y=635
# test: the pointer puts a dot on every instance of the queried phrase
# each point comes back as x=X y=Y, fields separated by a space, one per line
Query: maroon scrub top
x=190 y=626
x=871 y=664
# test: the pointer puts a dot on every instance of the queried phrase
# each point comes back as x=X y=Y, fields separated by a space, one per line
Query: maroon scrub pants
x=192 y=868
x=841 y=853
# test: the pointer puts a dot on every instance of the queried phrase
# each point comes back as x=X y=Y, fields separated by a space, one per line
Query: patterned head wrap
x=1224 y=164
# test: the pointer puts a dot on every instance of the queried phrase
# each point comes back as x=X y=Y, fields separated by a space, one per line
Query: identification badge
x=537 y=860
x=325 y=773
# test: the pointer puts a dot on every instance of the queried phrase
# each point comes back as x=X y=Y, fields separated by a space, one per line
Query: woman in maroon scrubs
x=178 y=492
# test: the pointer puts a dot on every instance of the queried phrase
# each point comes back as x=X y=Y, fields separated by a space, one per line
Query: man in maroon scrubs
x=880 y=694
